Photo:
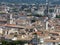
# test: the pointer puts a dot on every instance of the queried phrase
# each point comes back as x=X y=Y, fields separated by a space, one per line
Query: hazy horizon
x=31 y=1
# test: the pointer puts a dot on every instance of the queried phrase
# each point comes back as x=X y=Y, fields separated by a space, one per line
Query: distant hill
x=31 y=1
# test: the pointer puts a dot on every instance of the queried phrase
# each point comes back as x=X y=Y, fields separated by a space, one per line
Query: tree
x=57 y=16
x=13 y=42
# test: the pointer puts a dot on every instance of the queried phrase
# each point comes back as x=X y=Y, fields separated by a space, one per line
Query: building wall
x=51 y=43
x=13 y=30
x=1 y=30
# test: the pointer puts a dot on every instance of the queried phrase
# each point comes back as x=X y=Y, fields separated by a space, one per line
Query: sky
x=30 y=1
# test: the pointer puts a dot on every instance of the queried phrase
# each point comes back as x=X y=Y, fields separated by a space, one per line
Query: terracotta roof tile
x=13 y=25
x=50 y=40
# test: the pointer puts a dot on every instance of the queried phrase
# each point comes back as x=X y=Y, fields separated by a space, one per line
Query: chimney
x=46 y=25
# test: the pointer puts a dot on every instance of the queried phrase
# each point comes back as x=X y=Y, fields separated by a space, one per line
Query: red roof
x=13 y=25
